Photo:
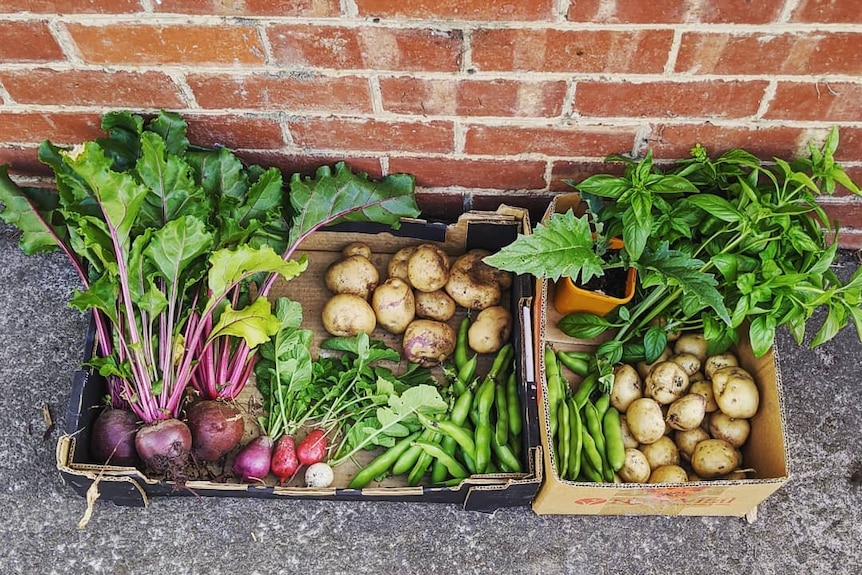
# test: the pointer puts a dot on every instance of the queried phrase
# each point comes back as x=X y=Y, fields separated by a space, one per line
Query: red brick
x=441 y=205
x=28 y=42
x=92 y=88
x=71 y=6
x=174 y=44
x=552 y=141
x=23 y=161
x=511 y=10
x=367 y=47
x=831 y=11
x=410 y=95
x=790 y=53
x=848 y=213
x=234 y=131
x=306 y=164
x=60 y=128
x=291 y=8
x=473 y=173
x=849 y=145
x=669 y=99
x=832 y=101
x=739 y=11
x=578 y=172
x=372 y=135
x=629 y=12
x=850 y=239
x=588 y=51
x=676 y=141
x=293 y=93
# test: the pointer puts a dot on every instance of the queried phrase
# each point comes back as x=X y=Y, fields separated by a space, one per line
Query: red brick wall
x=481 y=100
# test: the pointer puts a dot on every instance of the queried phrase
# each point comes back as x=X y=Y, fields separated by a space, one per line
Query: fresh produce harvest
x=170 y=241
x=638 y=433
x=479 y=432
x=720 y=244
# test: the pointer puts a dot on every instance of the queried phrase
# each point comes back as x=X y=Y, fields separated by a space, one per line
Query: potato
x=735 y=392
x=667 y=381
x=644 y=368
x=636 y=468
x=490 y=330
x=345 y=315
x=436 y=305
x=628 y=439
x=693 y=343
x=428 y=268
x=690 y=363
x=645 y=420
x=714 y=457
x=687 y=412
x=704 y=388
x=660 y=453
x=393 y=304
x=716 y=362
x=687 y=440
x=627 y=387
x=353 y=275
x=734 y=431
x=356 y=249
x=397 y=267
x=473 y=284
x=668 y=474
x=428 y=342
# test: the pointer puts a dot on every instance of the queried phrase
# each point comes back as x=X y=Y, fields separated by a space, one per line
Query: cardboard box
x=489 y=230
x=765 y=451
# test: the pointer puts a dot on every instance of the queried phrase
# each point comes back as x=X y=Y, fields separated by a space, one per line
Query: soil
x=612 y=284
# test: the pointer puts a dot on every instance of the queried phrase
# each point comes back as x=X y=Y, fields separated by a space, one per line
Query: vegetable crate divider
x=130 y=486
x=765 y=451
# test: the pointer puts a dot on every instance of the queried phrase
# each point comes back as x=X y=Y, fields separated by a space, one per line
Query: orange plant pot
x=569 y=298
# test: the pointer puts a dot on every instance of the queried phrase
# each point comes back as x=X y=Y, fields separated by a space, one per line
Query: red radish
x=112 y=439
x=253 y=461
x=313 y=448
x=284 y=461
x=164 y=445
x=216 y=428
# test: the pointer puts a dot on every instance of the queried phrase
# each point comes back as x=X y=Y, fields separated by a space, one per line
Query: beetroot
x=112 y=439
x=216 y=428
x=253 y=460
x=284 y=462
x=164 y=445
x=313 y=448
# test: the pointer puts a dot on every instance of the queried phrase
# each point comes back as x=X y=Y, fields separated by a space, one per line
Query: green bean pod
x=501 y=426
x=614 y=445
x=422 y=464
x=465 y=374
x=585 y=389
x=552 y=377
x=588 y=472
x=577 y=440
x=591 y=454
x=576 y=364
x=564 y=439
x=408 y=459
x=513 y=404
x=455 y=469
x=382 y=462
x=459 y=356
x=594 y=426
x=506 y=458
x=602 y=403
x=461 y=436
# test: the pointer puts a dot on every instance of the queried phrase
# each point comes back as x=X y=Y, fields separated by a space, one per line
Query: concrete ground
x=812 y=525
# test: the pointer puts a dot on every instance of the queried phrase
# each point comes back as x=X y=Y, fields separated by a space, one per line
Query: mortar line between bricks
x=673 y=53
x=188 y=95
x=64 y=39
x=766 y=100
x=147 y=6
x=376 y=96
x=787 y=10
x=277 y=71
x=158 y=18
x=561 y=8
x=491 y=121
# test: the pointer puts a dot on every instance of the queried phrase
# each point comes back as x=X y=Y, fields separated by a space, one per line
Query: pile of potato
x=686 y=416
x=418 y=299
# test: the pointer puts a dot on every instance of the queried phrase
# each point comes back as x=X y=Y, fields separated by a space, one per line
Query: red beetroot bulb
x=216 y=428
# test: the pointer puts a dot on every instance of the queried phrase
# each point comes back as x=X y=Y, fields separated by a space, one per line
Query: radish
x=216 y=428
x=164 y=445
x=284 y=461
x=112 y=439
x=319 y=475
x=253 y=461
x=313 y=448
